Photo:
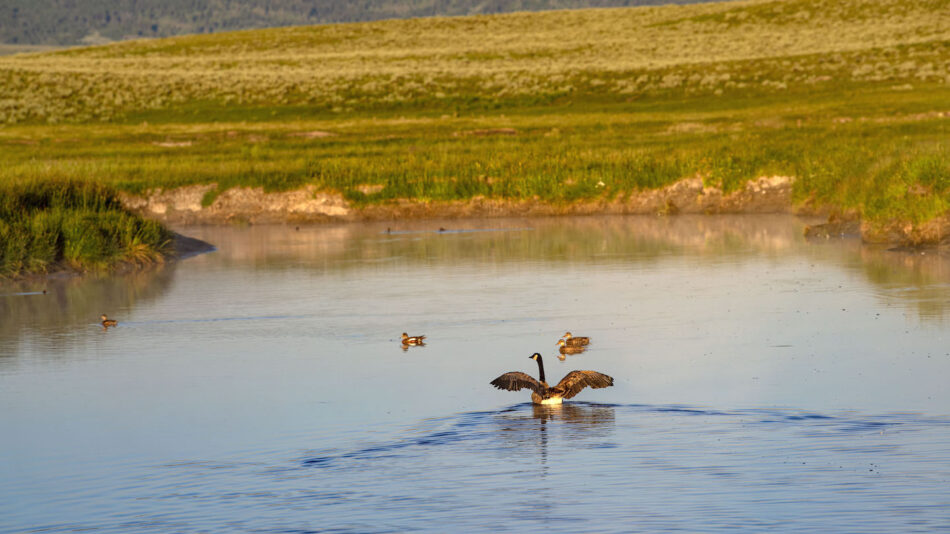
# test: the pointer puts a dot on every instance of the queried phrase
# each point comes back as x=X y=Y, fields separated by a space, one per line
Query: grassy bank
x=882 y=152
x=848 y=96
x=55 y=224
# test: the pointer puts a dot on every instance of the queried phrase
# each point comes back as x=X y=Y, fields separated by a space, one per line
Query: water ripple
x=609 y=467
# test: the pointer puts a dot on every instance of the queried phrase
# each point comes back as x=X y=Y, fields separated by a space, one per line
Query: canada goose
x=106 y=322
x=412 y=340
x=568 y=349
x=541 y=393
x=572 y=341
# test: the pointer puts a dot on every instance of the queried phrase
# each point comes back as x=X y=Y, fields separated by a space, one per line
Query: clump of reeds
x=48 y=225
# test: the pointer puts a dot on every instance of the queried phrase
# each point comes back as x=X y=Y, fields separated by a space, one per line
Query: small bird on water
x=106 y=322
x=542 y=393
x=412 y=340
x=572 y=341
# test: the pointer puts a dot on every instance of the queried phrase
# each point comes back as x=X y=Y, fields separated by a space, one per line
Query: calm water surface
x=761 y=383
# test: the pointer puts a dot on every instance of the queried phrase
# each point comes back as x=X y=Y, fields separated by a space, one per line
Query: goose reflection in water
x=529 y=427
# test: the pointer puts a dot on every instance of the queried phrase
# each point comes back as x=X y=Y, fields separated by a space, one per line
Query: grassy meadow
x=851 y=97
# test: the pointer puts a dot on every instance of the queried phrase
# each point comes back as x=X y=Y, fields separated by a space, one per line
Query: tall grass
x=46 y=225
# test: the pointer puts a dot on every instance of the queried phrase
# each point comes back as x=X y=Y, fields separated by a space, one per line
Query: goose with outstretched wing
x=541 y=393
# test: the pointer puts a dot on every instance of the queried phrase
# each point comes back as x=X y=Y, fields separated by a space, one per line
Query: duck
x=572 y=341
x=106 y=322
x=412 y=340
x=568 y=349
x=542 y=393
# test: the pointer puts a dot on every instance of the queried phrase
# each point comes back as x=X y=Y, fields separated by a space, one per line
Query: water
x=761 y=383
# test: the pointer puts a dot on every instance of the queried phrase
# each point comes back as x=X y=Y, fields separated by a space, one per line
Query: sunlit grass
x=864 y=152
x=489 y=62
x=51 y=224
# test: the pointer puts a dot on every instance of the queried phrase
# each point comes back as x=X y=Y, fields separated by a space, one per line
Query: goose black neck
x=540 y=368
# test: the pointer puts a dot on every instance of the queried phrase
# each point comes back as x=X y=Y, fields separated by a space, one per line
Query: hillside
x=67 y=22
x=846 y=97
x=754 y=47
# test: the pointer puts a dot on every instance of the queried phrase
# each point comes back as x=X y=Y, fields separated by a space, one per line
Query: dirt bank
x=184 y=205
x=767 y=194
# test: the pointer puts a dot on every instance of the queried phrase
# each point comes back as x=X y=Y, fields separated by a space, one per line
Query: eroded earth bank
x=767 y=194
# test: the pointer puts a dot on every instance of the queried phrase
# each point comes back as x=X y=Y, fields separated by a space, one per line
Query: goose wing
x=575 y=381
x=516 y=380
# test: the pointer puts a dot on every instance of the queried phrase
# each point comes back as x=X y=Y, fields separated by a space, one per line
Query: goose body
x=572 y=341
x=106 y=322
x=412 y=340
x=542 y=393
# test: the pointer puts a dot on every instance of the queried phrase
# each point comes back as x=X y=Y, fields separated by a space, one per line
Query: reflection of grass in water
x=636 y=242
x=554 y=241
x=75 y=304
x=920 y=278
x=48 y=224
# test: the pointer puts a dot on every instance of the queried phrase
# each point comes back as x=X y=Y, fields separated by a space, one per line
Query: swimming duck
x=412 y=340
x=541 y=393
x=572 y=341
x=567 y=349
x=106 y=322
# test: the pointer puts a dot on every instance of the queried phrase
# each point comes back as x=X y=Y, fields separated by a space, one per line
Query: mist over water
x=761 y=383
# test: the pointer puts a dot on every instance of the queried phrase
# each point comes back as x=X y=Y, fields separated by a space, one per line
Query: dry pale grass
x=764 y=45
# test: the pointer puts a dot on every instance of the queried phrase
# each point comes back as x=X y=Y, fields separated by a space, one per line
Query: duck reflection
x=564 y=348
x=529 y=427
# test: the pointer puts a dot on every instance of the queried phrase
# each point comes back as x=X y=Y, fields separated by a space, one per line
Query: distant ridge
x=68 y=22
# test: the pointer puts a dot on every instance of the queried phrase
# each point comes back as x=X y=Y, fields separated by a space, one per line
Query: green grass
x=872 y=150
x=53 y=224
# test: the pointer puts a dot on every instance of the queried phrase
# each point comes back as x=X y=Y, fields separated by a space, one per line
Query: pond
x=761 y=382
